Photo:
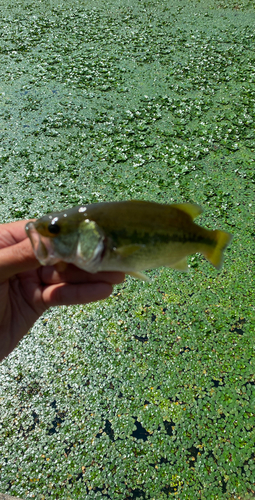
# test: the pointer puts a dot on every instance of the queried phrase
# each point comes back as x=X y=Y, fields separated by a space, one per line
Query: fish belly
x=147 y=258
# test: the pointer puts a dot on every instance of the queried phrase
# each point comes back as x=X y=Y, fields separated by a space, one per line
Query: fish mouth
x=42 y=246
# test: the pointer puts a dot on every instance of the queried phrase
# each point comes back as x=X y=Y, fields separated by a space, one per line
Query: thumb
x=17 y=259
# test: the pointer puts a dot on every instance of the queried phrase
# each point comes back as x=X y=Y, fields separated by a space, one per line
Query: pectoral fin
x=127 y=250
x=181 y=265
x=139 y=276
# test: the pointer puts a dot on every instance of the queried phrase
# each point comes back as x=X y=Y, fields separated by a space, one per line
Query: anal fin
x=181 y=265
x=139 y=276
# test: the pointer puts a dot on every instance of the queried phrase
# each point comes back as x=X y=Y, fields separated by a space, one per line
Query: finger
x=12 y=232
x=72 y=274
x=16 y=259
x=65 y=294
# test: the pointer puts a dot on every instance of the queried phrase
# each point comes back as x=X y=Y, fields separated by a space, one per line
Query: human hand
x=27 y=289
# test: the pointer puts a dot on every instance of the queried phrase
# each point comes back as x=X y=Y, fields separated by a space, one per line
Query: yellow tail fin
x=215 y=255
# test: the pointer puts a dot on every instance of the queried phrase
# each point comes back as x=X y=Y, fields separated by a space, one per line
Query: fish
x=129 y=236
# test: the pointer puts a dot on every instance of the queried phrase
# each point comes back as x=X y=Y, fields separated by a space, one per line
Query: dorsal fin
x=191 y=209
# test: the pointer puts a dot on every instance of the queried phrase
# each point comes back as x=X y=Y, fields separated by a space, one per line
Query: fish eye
x=53 y=228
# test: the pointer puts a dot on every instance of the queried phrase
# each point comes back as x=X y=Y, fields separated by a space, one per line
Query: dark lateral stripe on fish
x=160 y=238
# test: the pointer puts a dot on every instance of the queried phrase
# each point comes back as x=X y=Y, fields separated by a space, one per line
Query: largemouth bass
x=128 y=236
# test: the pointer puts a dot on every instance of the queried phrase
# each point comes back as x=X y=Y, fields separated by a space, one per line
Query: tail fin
x=215 y=255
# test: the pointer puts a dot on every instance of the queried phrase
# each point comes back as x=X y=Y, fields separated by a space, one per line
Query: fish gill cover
x=149 y=394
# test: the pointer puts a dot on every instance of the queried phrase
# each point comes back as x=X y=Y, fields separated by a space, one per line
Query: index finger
x=71 y=274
